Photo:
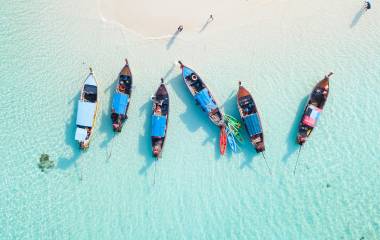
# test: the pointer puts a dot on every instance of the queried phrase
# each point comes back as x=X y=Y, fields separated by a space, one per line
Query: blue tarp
x=252 y=122
x=158 y=126
x=187 y=71
x=231 y=140
x=119 y=103
x=205 y=101
x=86 y=113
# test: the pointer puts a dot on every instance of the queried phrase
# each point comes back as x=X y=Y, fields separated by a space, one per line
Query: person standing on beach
x=368 y=4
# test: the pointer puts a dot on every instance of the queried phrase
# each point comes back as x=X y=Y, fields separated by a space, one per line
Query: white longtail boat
x=87 y=110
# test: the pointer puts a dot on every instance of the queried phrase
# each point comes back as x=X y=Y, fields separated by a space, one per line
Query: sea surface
x=116 y=191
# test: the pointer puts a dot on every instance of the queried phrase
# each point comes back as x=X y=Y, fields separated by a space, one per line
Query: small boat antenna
x=126 y=60
x=111 y=147
x=162 y=80
x=90 y=69
x=298 y=157
x=154 y=174
x=79 y=172
x=180 y=63
x=270 y=171
x=239 y=83
x=329 y=75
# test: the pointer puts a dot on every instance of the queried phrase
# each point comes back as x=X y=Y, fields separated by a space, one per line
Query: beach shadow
x=357 y=17
x=70 y=127
x=171 y=40
x=205 y=25
x=145 y=140
x=193 y=117
x=292 y=136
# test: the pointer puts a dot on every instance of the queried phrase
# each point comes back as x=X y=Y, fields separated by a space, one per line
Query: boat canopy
x=311 y=117
x=86 y=113
x=158 y=126
x=120 y=103
x=80 y=134
x=205 y=101
x=252 y=122
x=187 y=72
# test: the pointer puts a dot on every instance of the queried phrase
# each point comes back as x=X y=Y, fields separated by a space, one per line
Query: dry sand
x=159 y=18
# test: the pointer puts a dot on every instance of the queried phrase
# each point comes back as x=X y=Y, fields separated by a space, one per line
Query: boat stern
x=117 y=127
x=84 y=145
x=260 y=147
x=156 y=150
x=301 y=139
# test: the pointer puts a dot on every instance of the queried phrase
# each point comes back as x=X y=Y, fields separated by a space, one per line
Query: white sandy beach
x=157 y=18
x=161 y=18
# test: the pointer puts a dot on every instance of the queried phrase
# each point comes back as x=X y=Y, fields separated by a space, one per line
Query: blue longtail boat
x=202 y=95
x=160 y=117
x=121 y=98
x=251 y=118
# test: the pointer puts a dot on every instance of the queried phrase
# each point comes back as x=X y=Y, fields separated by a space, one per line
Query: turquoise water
x=46 y=48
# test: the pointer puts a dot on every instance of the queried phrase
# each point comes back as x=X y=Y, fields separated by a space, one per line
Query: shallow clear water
x=46 y=48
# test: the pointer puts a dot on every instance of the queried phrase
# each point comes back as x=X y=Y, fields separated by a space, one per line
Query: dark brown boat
x=313 y=109
x=121 y=98
x=251 y=118
x=160 y=117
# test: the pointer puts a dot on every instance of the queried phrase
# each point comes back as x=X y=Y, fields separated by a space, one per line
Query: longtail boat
x=202 y=95
x=160 y=114
x=87 y=110
x=313 y=109
x=121 y=98
x=251 y=118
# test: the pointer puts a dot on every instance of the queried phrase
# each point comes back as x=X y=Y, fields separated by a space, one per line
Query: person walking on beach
x=368 y=5
x=180 y=28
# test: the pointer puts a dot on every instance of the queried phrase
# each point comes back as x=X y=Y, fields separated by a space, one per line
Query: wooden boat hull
x=88 y=103
x=160 y=109
x=313 y=108
x=247 y=109
x=123 y=93
x=196 y=87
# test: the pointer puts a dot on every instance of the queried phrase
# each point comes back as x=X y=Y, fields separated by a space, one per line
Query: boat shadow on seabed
x=144 y=139
x=70 y=126
x=193 y=117
x=292 y=136
x=106 y=121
